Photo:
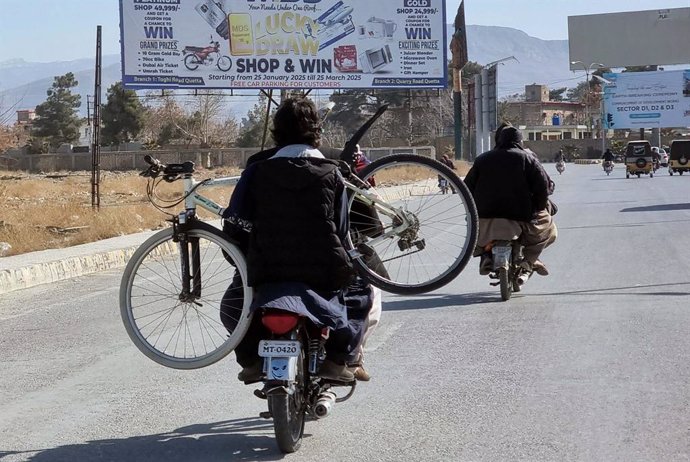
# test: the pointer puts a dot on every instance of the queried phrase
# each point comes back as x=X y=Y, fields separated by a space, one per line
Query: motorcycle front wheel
x=224 y=63
x=191 y=62
x=289 y=411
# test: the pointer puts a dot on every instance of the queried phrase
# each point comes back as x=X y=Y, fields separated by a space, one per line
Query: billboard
x=647 y=99
x=636 y=38
x=283 y=44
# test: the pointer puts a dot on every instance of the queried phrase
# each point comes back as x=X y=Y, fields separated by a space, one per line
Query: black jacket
x=294 y=206
x=508 y=183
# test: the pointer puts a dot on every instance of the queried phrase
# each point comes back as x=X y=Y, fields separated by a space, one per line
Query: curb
x=587 y=161
x=48 y=266
x=58 y=270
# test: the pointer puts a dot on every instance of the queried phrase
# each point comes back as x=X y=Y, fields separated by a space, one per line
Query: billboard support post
x=588 y=94
x=458 y=48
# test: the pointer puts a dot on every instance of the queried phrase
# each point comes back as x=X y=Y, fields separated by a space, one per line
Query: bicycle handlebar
x=171 y=172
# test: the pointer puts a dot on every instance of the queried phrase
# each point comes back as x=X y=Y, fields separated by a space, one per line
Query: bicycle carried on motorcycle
x=175 y=284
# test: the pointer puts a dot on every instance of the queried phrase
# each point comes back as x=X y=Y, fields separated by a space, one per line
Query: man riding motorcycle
x=289 y=214
x=510 y=184
x=608 y=158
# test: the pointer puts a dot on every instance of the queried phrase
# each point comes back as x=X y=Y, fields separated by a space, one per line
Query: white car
x=663 y=157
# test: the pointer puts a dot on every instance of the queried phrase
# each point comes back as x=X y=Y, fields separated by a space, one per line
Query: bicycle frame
x=192 y=200
x=383 y=208
x=195 y=199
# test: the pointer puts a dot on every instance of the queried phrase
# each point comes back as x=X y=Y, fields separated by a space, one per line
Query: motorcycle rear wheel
x=191 y=62
x=289 y=411
x=506 y=286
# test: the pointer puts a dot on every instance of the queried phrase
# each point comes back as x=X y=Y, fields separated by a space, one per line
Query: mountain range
x=23 y=85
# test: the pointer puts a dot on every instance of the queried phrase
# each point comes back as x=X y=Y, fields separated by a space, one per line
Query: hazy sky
x=57 y=30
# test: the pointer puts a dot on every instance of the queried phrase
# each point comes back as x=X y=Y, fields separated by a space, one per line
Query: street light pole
x=588 y=93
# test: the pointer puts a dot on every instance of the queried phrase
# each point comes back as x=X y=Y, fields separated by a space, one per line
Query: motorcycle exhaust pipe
x=324 y=404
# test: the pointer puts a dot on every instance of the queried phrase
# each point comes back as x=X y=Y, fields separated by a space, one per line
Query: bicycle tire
x=445 y=224
x=151 y=302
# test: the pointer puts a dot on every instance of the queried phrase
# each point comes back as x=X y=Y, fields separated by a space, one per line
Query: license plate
x=275 y=348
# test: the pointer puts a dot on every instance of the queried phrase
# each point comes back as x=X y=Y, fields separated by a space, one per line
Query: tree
x=252 y=126
x=56 y=118
x=12 y=137
x=557 y=94
x=122 y=115
x=198 y=121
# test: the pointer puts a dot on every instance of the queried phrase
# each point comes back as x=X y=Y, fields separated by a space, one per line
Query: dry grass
x=54 y=211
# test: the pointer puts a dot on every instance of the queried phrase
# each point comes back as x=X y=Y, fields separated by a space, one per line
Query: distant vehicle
x=679 y=160
x=638 y=159
x=663 y=157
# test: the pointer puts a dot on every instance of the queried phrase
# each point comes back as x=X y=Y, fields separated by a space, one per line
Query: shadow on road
x=658 y=208
x=428 y=301
x=624 y=225
x=220 y=441
x=609 y=290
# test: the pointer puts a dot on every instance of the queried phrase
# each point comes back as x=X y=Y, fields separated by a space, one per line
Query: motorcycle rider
x=289 y=213
x=559 y=157
x=607 y=157
x=656 y=158
x=509 y=183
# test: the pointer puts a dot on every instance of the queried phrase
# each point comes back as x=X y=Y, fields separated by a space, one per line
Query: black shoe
x=330 y=370
x=251 y=374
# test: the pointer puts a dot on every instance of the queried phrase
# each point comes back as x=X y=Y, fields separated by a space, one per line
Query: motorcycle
x=608 y=167
x=292 y=389
x=209 y=55
x=508 y=266
x=443 y=185
x=560 y=166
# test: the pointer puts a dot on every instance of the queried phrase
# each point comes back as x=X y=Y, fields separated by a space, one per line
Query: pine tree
x=56 y=118
x=122 y=116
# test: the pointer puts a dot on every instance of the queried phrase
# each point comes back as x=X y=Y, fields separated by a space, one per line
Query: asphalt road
x=589 y=363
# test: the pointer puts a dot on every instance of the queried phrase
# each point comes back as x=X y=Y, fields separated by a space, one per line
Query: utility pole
x=96 y=134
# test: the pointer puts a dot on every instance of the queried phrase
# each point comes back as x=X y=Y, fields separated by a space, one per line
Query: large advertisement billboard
x=647 y=99
x=283 y=44
x=633 y=38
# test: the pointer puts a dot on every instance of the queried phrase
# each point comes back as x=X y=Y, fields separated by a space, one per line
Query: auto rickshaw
x=679 y=158
x=638 y=159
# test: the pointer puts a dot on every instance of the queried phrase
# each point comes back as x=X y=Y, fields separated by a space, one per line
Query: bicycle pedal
x=265 y=415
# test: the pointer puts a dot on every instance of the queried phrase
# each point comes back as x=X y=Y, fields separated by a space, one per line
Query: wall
x=134 y=160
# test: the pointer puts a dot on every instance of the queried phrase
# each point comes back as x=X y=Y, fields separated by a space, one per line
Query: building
x=25 y=119
x=539 y=118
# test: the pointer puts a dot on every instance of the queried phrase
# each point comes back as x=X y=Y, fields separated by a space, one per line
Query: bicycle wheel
x=431 y=236
x=186 y=329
